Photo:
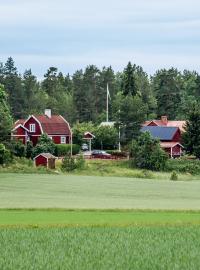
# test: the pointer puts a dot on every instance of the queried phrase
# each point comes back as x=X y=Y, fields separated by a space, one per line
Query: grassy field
x=90 y=192
x=114 y=234
x=100 y=248
x=96 y=218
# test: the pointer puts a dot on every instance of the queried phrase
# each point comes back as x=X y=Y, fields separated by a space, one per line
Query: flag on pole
x=108 y=92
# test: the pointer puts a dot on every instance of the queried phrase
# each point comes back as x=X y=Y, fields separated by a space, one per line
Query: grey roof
x=162 y=133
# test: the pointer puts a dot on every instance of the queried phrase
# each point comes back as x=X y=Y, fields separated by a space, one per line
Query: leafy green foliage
x=132 y=114
x=5 y=116
x=17 y=148
x=147 y=153
x=5 y=155
x=45 y=145
x=64 y=149
x=191 y=137
x=183 y=165
x=105 y=137
x=29 y=149
x=70 y=163
x=174 y=176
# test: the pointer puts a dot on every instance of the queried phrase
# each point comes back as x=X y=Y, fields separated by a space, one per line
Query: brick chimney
x=164 y=119
x=47 y=112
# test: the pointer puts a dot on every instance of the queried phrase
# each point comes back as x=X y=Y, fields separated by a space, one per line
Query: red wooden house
x=170 y=138
x=30 y=129
x=164 y=122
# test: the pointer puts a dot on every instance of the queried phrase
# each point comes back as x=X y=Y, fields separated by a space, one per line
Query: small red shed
x=46 y=160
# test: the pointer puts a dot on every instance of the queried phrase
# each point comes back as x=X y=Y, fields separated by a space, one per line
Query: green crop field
x=93 y=192
x=90 y=222
x=100 y=248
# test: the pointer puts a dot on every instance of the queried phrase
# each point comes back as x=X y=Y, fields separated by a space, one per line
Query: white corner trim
x=67 y=124
x=32 y=116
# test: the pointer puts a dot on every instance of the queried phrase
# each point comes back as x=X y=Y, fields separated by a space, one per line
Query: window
x=63 y=139
x=50 y=137
x=32 y=127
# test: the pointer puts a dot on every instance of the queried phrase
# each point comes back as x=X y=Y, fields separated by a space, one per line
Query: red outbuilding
x=30 y=129
x=46 y=160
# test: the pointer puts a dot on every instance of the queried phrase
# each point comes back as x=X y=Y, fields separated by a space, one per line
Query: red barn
x=30 y=129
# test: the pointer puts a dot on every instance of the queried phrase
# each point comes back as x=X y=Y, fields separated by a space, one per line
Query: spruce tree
x=191 y=137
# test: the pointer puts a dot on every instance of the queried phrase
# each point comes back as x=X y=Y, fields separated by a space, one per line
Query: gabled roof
x=46 y=155
x=162 y=133
x=170 y=144
x=19 y=126
x=56 y=124
x=19 y=122
x=169 y=123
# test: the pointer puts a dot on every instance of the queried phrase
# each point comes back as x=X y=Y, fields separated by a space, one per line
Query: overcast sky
x=72 y=34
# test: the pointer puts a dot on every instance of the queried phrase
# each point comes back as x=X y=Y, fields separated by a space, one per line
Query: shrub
x=45 y=145
x=64 y=149
x=183 y=165
x=5 y=155
x=147 y=153
x=17 y=148
x=80 y=162
x=174 y=176
x=68 y=163
x=29 y=149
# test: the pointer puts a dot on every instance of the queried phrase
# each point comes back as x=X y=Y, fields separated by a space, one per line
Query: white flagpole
x=107 y=105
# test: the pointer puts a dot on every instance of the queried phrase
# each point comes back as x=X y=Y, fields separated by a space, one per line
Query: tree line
x=81 y=96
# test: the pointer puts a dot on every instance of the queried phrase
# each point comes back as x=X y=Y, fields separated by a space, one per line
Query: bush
x=80 y=162
x=147 y=153
x=17 y=148
x=45 y=145
x=64 y=149
x=183 y=165
x=29 y=149
x=5 y=155
x=70 y=163
x=174 y=176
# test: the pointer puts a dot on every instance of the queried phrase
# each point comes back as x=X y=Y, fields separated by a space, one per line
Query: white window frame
x=32 y=127
x=63 y=139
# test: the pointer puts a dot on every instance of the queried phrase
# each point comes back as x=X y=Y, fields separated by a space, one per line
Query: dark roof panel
x=162 y=133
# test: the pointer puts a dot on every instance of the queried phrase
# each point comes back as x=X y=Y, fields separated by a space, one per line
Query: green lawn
x=92 y=192
x=138 y=248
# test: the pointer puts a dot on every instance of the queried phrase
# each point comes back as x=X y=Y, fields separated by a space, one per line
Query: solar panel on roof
x=162 y=133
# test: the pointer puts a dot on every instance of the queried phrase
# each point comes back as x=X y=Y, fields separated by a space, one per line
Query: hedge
x=63 y=149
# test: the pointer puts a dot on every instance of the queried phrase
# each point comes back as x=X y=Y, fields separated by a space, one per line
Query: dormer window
x=32 y=127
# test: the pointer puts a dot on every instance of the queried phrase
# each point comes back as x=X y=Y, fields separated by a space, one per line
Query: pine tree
x=5 y=117
x=191 y=137
x=129 y=85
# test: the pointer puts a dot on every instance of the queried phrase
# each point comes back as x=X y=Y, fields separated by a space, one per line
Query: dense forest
x=81 y=97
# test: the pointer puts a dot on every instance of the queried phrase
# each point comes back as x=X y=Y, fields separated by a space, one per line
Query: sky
x=72 y=34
